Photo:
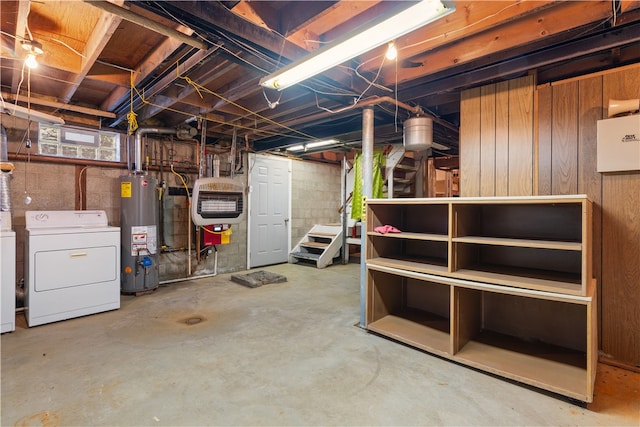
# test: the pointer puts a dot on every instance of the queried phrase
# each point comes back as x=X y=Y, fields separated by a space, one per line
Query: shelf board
x=548 y=367
x=523 y=243
x=523 y=278
x=422 y=330
x=424 y=265
x=413 y=236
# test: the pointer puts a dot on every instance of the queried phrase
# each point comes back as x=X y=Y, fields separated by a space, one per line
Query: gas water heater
x=139 y=217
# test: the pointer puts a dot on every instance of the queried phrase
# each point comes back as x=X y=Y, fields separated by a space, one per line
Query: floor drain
x=193 y=320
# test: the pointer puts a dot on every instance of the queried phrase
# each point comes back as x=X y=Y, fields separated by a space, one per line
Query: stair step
x=322 y=235
x=402 y=181
x=406 y=167
x=305 y=255
x=320 y=245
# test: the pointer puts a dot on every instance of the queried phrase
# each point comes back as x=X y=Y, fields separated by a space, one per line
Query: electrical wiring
x=200 y=88
x=209 y=119
x=21 y=81
x=131 y=116
x=80 y=184
x=203 y=38
x=67 y=46
x=43 y=76
x=355 y=102
x=256 y=53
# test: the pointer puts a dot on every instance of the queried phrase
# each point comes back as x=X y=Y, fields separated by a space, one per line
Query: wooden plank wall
x=496 y=135
x=562 y=160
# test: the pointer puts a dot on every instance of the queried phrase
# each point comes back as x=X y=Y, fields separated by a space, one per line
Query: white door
x=269 y=210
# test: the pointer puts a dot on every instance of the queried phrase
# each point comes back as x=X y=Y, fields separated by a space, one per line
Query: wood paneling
x=521 y=136
x=567 y=148
x=589 y=181
x=620 y=297
x=564 y=136
x=470 y=142
x=488 y=140
x=502 y=139
x=496 y=139
x=545 y=97
x=566 y=117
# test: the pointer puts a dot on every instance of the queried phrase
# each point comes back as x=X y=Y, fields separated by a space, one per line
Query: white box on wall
x=618 y=144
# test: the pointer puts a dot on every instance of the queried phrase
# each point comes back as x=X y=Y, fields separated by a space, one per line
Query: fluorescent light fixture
x=27 y=114
x=311 y=145
x=323 y=59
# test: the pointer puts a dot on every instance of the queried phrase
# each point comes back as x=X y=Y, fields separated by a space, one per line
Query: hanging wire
x=356 y=100
x=199 y=88
x=131 y=116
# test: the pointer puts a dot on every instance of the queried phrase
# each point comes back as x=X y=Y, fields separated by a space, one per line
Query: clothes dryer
x=72 y=265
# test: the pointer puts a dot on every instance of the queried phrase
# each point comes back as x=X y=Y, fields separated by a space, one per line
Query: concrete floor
x=281 y=354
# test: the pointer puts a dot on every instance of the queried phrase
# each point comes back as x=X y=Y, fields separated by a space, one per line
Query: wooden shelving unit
x=500 y=284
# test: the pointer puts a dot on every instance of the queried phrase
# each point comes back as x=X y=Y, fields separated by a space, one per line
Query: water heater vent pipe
x=137 y=155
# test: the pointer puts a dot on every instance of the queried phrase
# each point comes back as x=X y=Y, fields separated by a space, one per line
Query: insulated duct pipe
x=5 y=174
x=4 y=153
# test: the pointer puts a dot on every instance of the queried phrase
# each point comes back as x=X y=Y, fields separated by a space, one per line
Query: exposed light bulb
x=392 y=52
x=31 y=61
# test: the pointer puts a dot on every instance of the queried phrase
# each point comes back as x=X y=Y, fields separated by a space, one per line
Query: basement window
x=78 y=143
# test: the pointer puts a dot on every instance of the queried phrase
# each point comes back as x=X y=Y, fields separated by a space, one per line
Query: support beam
x=100 y=36
x=60 y=105
x=21 y=28
x=146 y=23
x=367 y=192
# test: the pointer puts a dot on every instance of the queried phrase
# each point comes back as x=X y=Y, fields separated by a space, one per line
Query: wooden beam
x=147 y=23
x=151 y=62
x=216 y=15
x=21 y=28
x=99 y=38
x=60 y=105
x=517 y=32
x=523 y=63
x=469 y=18
x=185 y=68
x=308 y=34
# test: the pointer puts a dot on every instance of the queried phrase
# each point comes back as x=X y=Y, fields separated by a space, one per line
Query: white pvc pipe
x=203 y=276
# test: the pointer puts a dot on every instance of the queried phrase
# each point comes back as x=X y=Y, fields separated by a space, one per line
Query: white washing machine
x=8 y=280
x=72 y=265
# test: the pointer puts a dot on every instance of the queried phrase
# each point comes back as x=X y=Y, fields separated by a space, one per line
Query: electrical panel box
x=618 y=144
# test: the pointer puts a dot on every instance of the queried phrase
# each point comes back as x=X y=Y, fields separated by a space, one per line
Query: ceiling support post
x=367 y=192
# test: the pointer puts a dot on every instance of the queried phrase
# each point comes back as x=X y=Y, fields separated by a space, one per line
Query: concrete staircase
x=320 y=245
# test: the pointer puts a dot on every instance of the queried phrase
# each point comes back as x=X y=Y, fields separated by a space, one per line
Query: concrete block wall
x=53 y=186
x=103 y=192
x=315 y=196
x=50 y=187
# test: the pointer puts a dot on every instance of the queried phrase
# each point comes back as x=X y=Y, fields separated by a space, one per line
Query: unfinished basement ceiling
x=205 y=59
